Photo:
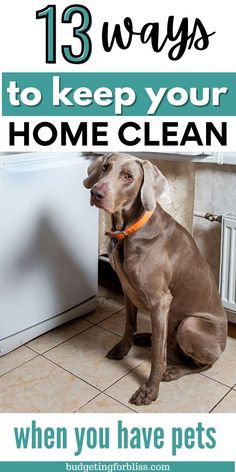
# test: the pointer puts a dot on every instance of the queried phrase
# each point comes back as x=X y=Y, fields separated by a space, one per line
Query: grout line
x=74 y=336
x=117 y=334
x=71 y=373
x=131 y=370
x=109 y=396
x=23 y=363
x=93 y=386
x=86 y=381
x=31 y=349
x=222 y=398
x=109 y=331
x=120 y=335
x=215 y=380
x=86 y=403
x=67 y=339
x=118 y=401
x=95 y=323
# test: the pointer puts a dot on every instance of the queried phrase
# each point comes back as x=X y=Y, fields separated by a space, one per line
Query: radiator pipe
x=209 y=216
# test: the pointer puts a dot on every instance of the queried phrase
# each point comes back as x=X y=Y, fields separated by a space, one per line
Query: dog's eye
x=128 y=177
x=105 y=167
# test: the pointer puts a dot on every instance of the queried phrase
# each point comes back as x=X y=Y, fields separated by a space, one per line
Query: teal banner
x=116 y=94
x=117 y=466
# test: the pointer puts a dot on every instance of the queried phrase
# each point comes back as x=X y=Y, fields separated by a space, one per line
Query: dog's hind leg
x=200 y=343
x=174 y=372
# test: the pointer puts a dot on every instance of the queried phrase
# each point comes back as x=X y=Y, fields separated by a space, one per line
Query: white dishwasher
x=48 y=245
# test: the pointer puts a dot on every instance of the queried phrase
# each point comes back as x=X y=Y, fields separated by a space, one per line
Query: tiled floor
x=66 y=370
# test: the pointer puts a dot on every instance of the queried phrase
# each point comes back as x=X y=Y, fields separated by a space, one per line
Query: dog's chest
x=124 y=272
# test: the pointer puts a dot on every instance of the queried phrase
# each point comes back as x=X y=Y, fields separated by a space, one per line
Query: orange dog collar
x=131 y=229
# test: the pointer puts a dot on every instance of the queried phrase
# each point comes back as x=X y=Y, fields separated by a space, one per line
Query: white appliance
x=48 y=245
x=228 y=264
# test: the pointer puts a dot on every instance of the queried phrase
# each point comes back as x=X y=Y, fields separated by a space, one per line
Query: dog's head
x=117 y=180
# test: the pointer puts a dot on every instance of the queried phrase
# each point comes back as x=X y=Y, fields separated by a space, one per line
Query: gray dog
x=161 y=271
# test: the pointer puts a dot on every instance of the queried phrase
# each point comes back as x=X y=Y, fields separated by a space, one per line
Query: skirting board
x=22 y=337
x=231 y=316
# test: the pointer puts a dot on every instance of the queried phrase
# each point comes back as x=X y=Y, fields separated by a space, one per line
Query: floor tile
x=106 y=306
x=58 y=335
x=15 y=359
x=192 y=393
x=109 y=292
x=40 y=386
x=116 y=322
x=104 y=404
x=227 y=405
x=84 y=356
x=224 y=370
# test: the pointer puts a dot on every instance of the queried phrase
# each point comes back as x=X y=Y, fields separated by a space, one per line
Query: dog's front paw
x=143 y=396
x=119 y=351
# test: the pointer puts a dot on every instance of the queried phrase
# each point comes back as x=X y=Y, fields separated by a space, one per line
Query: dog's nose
x=96 y=193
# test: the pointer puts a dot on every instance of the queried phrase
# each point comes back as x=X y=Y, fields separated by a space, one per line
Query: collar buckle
x=131 y=229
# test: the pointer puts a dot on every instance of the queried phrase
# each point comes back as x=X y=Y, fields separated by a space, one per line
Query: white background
x=23 y=37
x=114 y=123
x=224 y=425
x=23 y=49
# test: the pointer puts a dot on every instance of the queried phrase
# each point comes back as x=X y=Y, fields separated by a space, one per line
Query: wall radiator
x=228 y=263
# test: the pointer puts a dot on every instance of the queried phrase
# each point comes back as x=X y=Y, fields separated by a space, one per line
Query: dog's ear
x=154 y=184
x=94 y=170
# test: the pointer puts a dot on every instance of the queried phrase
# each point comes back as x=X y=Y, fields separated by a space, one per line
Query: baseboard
x=231 y=316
